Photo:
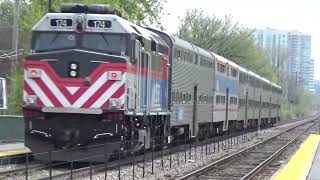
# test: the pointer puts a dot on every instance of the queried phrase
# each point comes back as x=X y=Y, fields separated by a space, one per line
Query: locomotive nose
x=67 y=135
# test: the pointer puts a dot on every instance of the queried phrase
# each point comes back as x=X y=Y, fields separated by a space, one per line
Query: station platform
x=13 y=149
x=305 y=163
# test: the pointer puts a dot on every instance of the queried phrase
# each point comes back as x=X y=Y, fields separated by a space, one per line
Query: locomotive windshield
x=47 y=41
x=107 y=43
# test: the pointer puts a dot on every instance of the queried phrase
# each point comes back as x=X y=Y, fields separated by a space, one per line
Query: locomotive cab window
x=112 y=43
x=102 y=42
x=48 y=41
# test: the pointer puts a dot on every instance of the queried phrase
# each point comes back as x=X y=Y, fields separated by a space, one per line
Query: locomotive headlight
x=73 y=73
x=73 y=66
x=31 y=100
x=114 y=103
x=80 y=19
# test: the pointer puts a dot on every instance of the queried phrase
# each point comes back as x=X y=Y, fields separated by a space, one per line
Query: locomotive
x=94 y=78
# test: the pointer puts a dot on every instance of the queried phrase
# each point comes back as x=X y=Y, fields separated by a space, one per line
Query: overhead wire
x=11 y=54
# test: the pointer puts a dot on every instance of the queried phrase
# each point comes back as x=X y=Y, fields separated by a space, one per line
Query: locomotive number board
x=100 y=24
x=61 y=22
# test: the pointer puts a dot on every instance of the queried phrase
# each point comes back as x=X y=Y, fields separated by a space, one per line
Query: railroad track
x=248 y=162
x=22 y=170
x=68 y=171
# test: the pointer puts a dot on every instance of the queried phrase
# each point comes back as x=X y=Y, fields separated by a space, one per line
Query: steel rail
x=259 y=167
x=237 y=154
x=98 y=168
x=21 y=170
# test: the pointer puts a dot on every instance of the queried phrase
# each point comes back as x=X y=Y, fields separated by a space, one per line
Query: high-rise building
x=275 y=43
x=317 y=87
x=290 y=51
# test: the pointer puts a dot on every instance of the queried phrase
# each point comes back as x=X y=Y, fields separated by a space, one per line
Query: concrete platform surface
x=12 y=149
x=314 y=173
x=305 y=163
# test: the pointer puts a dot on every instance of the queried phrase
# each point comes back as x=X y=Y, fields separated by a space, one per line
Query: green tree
x=226 y=38
x=6 y=13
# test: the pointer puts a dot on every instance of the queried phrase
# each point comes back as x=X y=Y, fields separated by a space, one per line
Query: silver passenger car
x=209 y=93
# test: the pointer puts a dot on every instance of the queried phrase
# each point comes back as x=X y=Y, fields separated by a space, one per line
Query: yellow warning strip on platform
x=14 y=152
x=300 y=163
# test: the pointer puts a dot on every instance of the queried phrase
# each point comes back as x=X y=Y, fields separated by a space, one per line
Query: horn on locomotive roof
x=92 y=9
x=74 y=8
x=101 y=9
x=49 y=6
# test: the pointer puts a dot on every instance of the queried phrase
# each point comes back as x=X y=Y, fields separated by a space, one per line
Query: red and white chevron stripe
x=52 y=93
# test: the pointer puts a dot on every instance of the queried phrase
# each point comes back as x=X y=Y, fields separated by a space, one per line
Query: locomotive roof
x=119 y=25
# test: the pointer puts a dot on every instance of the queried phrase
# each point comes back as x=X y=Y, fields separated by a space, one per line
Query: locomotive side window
x=47 y=41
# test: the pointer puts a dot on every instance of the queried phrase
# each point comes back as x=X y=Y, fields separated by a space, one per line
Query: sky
x=300 y=15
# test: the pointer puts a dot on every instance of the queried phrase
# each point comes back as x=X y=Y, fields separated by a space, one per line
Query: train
x=94 y=78
x=3 y=94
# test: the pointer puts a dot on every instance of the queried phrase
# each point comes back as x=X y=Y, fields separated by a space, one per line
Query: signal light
x=34 y=73
x=114 y=75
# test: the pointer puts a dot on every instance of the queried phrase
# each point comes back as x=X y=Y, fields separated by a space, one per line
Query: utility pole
x=291 y=102
x=15 y=40
x=15 y=35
